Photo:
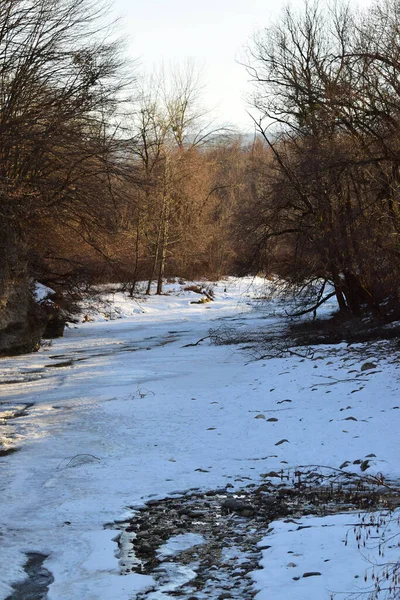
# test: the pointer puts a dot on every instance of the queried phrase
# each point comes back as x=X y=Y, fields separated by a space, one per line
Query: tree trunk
x=155 y=261
x=164 y=246
x=165 y=215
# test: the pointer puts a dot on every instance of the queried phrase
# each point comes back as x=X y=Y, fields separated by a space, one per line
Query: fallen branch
x=196 y=343
x=314 y=307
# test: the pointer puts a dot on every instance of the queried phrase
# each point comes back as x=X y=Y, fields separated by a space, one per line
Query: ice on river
x=129 y=406
x=179 y=543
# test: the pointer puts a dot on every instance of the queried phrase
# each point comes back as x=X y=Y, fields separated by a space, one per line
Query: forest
x=108 y=177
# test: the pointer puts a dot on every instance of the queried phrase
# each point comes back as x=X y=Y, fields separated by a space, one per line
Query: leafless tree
x=61 y=85
x=326 y=90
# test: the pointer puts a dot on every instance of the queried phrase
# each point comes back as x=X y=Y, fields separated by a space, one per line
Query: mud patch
x=36 y=585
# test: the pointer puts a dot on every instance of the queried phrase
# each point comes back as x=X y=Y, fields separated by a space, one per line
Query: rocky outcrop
x=21 y=325
x=54 y=315
x=21 y=320
x=24 y=321
x=24 y=318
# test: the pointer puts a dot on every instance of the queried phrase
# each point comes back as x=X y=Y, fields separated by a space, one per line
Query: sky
x=212 y=33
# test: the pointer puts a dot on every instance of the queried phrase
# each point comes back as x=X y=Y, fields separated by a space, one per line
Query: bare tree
x=60 y=87
x=326 y=89
x=170 y=129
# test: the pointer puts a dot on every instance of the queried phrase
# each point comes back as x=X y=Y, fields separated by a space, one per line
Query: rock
x=281 y=442
x=312 y=574
x=292 y=565
x=367 y=366
x=233 y=504
x=25 y=319
x=145 y=549
x=204 y=300
x=143 y=534
x=197 y=514
x=55 y=317
x=364 y=465
x=21 y=319
x=224 y=596
x=269 y=500
x=260 y=416
x=272 y=420
x=216 y=492
x=238 y=506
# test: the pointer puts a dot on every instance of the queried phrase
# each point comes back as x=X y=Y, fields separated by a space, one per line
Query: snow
x=178 y=543
x=126 y=408
x=177 y=576
x=317 y=545
x=41 y=292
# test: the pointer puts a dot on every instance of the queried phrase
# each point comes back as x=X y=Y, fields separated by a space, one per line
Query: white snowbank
x=41 y=292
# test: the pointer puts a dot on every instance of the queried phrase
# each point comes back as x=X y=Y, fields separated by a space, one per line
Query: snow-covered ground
x=131 y=408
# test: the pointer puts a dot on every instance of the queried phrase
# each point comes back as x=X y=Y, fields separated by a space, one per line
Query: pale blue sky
x=211 y=32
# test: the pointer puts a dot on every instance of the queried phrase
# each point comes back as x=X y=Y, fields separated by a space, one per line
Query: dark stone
x=231 y=504
x=7 y=451
x=23 y=322
x=367 y=366
x=55 y=322
x=312 y=574
x=145 y=549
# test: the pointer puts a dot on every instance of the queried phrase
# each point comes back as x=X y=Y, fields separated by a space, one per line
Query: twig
x=198 y=342
x=76 y=456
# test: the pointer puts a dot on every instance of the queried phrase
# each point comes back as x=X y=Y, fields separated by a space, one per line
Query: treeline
x=103 y=179
x=106 y=178
x=61 y=88
x=328 y=91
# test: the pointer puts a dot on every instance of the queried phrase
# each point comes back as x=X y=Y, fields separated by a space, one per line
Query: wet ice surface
x=179 y=543
x=36 y=584
x=137 y=408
